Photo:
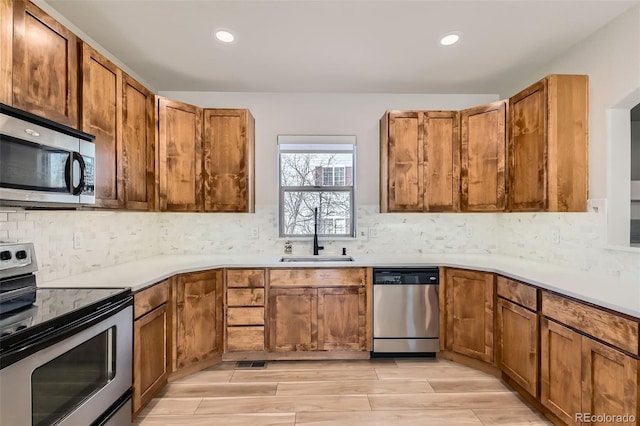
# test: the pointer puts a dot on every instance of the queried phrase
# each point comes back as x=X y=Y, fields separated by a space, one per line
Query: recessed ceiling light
x=225 y=36
x=450 y=38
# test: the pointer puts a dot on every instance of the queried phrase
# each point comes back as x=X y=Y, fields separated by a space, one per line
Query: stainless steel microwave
x=43 y=163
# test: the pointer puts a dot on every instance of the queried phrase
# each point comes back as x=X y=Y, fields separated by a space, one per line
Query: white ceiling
x=371 y=46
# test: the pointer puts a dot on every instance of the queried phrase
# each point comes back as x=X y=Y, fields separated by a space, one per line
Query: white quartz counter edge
x=606 y=291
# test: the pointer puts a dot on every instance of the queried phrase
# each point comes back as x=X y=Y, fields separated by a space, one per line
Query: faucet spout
x=316 y=247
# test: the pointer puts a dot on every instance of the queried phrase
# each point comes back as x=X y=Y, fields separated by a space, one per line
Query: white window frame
x=312 y=144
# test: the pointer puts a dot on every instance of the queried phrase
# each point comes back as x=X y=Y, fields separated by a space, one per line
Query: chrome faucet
x=316 y=247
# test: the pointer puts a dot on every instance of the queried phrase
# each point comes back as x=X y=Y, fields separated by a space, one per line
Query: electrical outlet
x=77 y=240
x=468 y=230
x=254 y=233
x=373 y=232
x=363 y=233
x=555 y=236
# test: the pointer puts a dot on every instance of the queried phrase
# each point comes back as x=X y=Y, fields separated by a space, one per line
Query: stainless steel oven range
x=65 y=358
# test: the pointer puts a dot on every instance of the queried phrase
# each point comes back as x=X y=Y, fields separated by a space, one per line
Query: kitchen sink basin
x=317 y=259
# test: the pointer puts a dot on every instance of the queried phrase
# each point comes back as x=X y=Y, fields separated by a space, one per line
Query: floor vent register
x=240 y=365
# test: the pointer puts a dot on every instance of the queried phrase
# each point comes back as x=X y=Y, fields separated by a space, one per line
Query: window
x=316 y=172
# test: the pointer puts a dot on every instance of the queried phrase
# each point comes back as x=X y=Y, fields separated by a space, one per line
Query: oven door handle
x=52 y=335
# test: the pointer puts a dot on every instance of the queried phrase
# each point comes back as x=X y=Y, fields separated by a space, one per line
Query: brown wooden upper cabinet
x=228 y=150
x=419 y=161
x=547 y=148
x=180 y=158
x=6 y=51
x=102 y=117
x=44 y=63
x=139 y=145
x=119 y=111
x=483 y=147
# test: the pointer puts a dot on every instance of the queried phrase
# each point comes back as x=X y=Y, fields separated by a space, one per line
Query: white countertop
x=606 y=291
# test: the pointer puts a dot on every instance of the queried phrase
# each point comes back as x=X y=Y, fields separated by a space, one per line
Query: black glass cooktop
x=53 y=309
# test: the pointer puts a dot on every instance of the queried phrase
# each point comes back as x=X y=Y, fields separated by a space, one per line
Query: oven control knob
x=21 y=254
x=5 y=255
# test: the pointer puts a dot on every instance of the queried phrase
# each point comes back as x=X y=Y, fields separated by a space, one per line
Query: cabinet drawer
x=245 y=297
x=245 y=316
x=606 y=326
x=325 y=277
x=245 y=339
x=150 y=298
x=245 y=277
x=517 y=292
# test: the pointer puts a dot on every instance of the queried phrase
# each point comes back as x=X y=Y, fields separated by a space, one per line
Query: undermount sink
x=317 y=259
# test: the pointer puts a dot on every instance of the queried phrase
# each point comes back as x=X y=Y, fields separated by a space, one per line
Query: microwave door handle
x=67 y=174
x=77 y=190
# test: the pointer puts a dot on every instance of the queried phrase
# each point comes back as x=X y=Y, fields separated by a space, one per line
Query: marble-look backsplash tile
x=109 y=238
x=396 y=233
x=106 y=238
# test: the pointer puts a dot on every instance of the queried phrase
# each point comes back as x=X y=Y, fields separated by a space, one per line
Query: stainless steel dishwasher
x=405 y=311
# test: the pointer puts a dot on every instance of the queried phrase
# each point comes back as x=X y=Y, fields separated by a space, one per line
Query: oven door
x=73 y=381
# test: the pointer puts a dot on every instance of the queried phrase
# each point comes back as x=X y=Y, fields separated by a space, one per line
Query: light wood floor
x=355 y=393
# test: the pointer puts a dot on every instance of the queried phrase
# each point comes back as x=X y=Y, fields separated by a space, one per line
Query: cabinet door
x=517 y=344
x=150 y=356
x=609 y=380
x=442 y=161
x=45 y=65
x=228 y=151
x=138 y=143
x=469 y=313
x=560 y=372
x=101 y=116
x=405 y=186
x=341 y=319
x=483 y=143
x=293 y=319
x=6 y=51
x=180 y=159
x=198 y=317
x=528 y=148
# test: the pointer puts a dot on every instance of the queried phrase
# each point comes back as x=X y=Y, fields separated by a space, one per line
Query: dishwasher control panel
x=403 y=276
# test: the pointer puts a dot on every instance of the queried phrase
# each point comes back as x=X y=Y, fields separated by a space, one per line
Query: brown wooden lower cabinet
x=580 y=375
x=293 y=319
x=609 y=381
x=198 y=317
x=341 y=319
x=560 y=371
x=469 y=313
x=245 y=310
x=151 y=349
x=151 y=360
x=308 y=319
x=517 y=344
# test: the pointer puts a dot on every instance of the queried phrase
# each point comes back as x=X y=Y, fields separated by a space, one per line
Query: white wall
x=318 y=114
x=635 y=150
